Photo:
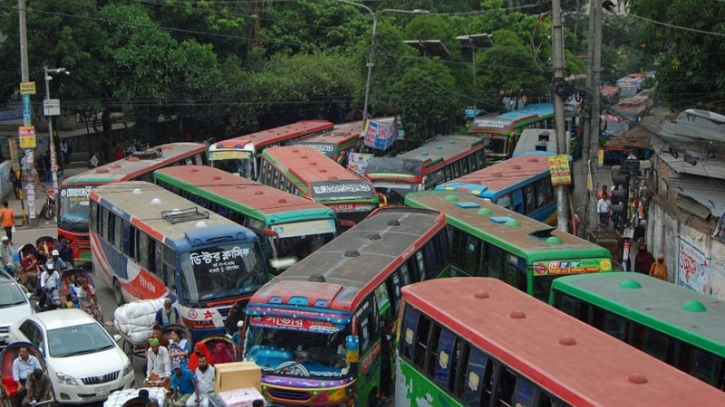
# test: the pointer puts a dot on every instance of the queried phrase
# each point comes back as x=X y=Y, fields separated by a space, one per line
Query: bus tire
x=117 y=293
x=373 y=398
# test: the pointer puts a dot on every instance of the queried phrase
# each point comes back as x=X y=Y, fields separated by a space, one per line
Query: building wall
x=694 y=259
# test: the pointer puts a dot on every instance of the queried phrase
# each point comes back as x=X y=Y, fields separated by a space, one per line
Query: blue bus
x=149 y=243
x=521 y=184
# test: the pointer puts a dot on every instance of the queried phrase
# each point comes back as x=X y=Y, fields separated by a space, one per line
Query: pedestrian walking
x=658 y=269
x=8 y=220
x=604 y=209
x=644 y=259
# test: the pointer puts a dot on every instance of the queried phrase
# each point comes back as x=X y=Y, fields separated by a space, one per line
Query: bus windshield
x=219 y=272
x=495 y=143
x=310 y=348
x=240 y=166
x=290 y=250
x=73 y=212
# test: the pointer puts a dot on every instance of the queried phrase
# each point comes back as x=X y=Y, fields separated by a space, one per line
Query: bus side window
x=367 y=325
x=457 y=247
x=505 y=385
x=480 y=159
x=421 y=342
x=495 y=260
x=465 y=168
x=456 y=169
x=444 y=358
x=615 y=325
x=569 y=305
x=168 y=271
x=118 y=233
x=529 y=198
x=443 y=248
x=706 y=367
x=472 y=256
x=393 y=285
x=655 y=344
x=405 y=274
x=410 y=323
x=524 y=393
x=423 y=272
x=477 y=380
x=434 y=336
x=540 y=194
x=109 y=219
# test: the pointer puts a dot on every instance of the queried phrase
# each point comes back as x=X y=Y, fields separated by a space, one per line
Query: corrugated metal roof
x=707 y=195
x=704 y=167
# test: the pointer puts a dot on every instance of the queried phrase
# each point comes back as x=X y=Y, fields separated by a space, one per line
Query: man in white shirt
x=158 y=365
x=50 y=286
x=604 y=207
x=23 y=366
x=203 y=384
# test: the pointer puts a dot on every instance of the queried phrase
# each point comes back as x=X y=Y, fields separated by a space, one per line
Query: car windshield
x=78 y=340
x=74 y=205
x=11 y=294
x=298 y=352
x=220 y=272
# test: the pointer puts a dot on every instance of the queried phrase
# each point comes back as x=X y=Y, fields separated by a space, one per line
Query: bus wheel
x=373 y=398
x=117 y=293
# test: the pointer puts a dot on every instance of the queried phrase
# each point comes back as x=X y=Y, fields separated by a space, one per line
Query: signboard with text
x=27 y=88
x=27 y=136
x=559 y=168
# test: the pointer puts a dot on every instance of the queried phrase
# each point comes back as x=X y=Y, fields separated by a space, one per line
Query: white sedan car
x=84 y=362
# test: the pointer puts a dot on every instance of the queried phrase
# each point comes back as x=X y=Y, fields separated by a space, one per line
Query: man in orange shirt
x=8 y=219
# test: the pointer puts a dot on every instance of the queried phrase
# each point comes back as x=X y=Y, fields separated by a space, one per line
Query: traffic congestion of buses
x=305 y=270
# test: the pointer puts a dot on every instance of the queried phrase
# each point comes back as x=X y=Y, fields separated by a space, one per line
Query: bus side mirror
x=353 y=349
x=384 y=199
x=270 y=232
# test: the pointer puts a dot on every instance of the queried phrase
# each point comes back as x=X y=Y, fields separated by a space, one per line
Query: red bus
x=240 y=155
x=469 y=341
x=345 y=137
x=74 y=191
x=439 y=160
x=306 y=172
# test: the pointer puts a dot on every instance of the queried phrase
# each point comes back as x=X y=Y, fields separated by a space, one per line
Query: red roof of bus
x=578 y=363
x=130 y=167
x=311 y=166
x=238 y=189
x=340 y=134
x=506 y=173
x=277 y=134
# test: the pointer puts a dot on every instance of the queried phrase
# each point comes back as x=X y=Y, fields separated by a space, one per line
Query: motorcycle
x=49 y=208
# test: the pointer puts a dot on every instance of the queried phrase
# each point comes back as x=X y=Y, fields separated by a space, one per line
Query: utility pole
x=562 y=145
x=29 y=185
x=588 y=151
x=596 y=62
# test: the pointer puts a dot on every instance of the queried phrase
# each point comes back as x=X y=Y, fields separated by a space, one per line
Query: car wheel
x=117 y=293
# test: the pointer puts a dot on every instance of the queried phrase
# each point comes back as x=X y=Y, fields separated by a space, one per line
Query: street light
x=49 y=113
x=372 y=43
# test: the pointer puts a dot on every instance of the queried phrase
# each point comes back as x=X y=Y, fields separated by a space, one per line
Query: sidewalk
x=40 y=194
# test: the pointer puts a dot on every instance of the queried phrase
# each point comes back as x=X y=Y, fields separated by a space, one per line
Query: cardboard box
x=237 y=375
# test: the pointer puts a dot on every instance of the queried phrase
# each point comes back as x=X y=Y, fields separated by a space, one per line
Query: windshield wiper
x=80 y=352
x=12 y=304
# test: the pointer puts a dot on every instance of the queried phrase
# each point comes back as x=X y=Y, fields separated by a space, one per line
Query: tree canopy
x=244 y=65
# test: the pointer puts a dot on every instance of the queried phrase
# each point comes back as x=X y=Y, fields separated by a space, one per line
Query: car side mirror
x=117 y=338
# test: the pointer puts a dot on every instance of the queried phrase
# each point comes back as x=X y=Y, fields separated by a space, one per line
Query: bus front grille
x=289 y=395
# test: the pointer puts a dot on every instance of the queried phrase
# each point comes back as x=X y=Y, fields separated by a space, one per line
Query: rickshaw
x=47 y=244
x=9 y=389
x=222 y=349
x=67 y=277
x=134 y=348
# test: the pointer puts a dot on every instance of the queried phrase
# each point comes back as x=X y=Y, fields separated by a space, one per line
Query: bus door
x=518 y=198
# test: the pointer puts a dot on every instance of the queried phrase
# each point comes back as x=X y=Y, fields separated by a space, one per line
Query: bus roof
x=312 y=166
x=500 y=178
x=578 y=363
x=356 y=261
x=516 y=233
x=506 y=121
x=690 y=316
x=341 y=133
x=275 y=135
x=142 y=204
x=443 y=148
x=135 y=165
x=246 y=196
x=542 y=141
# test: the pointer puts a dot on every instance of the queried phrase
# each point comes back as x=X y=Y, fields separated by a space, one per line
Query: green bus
x=488 y=240
x=678 y=326
x=289 y=227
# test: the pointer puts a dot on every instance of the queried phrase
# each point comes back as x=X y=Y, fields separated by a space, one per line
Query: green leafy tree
x=424 y=96
x=685 y=38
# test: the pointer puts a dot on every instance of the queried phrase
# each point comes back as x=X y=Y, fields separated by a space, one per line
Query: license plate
x=103 y=391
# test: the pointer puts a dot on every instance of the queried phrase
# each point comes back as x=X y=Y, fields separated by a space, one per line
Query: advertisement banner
x=693 y=268
x=358 y=162
x=27 y=136
x=559 y=168
x=381 y=136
